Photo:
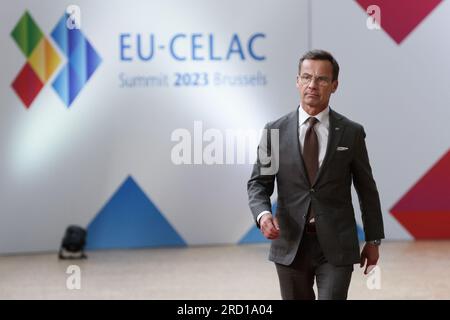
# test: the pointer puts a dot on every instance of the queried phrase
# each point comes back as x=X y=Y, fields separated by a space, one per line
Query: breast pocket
x=339 y=164
x=342 y=153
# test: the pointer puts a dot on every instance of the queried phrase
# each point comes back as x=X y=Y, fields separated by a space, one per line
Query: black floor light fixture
x=72 y=246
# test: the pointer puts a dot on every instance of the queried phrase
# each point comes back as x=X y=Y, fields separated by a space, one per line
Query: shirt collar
x=322 y=116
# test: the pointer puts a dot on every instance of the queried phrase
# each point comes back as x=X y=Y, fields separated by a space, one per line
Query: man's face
x=315 y=83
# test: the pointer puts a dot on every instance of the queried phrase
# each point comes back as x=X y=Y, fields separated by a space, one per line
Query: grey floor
x=409 y=270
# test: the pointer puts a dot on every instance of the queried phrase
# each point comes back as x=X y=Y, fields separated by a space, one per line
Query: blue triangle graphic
x=130 y=220
x=254 y=235
x=361 y=235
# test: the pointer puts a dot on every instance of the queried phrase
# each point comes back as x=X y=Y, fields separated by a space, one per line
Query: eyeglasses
x=306 y=79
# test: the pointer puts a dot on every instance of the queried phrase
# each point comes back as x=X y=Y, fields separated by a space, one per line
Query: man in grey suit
x=317 y=155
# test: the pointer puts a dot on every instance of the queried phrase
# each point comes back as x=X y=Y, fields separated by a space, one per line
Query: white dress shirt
x=321 y=128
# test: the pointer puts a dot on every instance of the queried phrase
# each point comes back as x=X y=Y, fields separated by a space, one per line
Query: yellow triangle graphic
x=52 y=59
x=44 y=60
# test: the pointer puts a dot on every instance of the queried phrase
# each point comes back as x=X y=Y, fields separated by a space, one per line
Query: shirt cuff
x=261 y=214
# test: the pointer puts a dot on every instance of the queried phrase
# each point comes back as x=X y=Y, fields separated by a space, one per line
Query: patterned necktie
x=311 y=157
x=311 y=150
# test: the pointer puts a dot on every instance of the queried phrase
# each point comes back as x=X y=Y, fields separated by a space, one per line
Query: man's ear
x=335 y=85
x=296 y=81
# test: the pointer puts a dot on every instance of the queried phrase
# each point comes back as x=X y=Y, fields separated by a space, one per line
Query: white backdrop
x=62 y=165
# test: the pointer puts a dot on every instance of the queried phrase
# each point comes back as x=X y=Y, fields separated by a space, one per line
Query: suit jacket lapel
x=334 y=136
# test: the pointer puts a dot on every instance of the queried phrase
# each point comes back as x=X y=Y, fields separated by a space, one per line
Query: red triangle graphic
x=425 y=209
x=400 y=17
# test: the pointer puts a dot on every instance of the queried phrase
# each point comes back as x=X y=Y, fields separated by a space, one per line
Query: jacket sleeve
x=261 y=184
x=369 y=200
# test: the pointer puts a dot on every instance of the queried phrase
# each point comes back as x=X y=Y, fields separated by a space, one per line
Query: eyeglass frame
x=319 y=79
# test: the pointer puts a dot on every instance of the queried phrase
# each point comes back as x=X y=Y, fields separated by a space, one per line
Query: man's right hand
x=269 y=226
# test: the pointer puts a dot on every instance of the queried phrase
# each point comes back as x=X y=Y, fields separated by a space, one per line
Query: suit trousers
x=297 y=279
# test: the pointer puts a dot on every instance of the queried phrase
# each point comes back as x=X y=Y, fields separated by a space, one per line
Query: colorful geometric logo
x=400 y=17
x=425 y=209
x=43 y=60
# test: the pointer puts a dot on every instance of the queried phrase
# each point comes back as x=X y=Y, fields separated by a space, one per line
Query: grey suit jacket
x=329 y=195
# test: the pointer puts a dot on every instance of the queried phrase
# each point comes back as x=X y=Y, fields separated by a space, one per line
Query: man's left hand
x=370 y=255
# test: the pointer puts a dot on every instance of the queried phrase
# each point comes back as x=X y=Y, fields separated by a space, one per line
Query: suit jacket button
x=312 y=190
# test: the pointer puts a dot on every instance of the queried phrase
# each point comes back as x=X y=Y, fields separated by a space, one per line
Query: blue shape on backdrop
x=130 y=220
x=82 y=61
x=361 y=235
x=254 y=235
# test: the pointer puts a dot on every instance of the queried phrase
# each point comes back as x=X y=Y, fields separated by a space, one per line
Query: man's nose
x=313 y=83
